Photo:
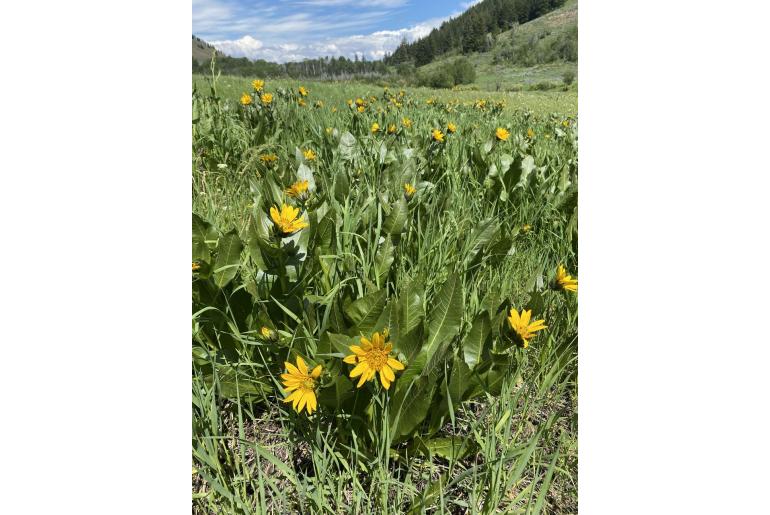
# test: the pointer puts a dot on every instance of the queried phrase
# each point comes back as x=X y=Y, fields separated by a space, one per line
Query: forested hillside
x=473 y=31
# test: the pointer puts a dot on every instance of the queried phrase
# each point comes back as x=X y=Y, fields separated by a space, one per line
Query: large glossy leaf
x=475 y=344
x=396 y=220
x=411 y=310
x=445 y=320
x=228 y=258
x=383 y=259
x=201 y=231
x=485 y=231
x=365 y=311
x=409 y=406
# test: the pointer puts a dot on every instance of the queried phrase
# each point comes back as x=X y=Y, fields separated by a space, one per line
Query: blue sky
x=296 y=29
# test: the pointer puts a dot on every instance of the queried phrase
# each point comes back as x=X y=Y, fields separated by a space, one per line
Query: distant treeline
x=472 y=31
x=321 y=68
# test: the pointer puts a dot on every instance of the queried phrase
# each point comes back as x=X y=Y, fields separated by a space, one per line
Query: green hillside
x=536 y=54
x=201 y=51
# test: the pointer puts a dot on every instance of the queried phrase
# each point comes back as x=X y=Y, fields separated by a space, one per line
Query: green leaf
x=411 y=310
x=347 y=146
x=450 y=448
x=336 y=395
x=365 y=312
x=383 y=260
x=484 y=232
x=409 y=406
x=460 y=380
x=228 y=258
x=444 y=320
x=200 y=233
x=475 y=344
x=396 y=221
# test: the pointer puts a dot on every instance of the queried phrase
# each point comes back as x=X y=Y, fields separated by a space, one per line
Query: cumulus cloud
x=373 y=46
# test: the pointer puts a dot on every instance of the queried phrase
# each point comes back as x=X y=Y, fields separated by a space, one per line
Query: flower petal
x=351 y=360
x=388 y=373
x=395 y=364
x=316 y=372
x=301 y=365
x=359 y=369
x=291 y=368
x=357 y=350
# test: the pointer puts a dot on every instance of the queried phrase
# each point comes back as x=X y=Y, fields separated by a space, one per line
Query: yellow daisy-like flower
x=530 y=133
x=361 y=109
x=437 y=135
x=409 y=191
x=360 y=102
x=309 y=154
x=319 y=104
x=196 y=266
x=301 y=103
x=301 y=383
x=373 y=357
x=406 y=122
x=298 y=189
x=450 y=127
x=268 y=158
x=329 y=131
x=266 y=98
x=502 y=134
x=375 y=127
x=392 y=128
x=334 y=109
x=267 y=333
x=565 y=123
x=521 y=326
x=564 y=281
x=526 y=228
x=258 y=84
x=429 y=101
x=287 y=220
x=303 y=91
x=246 y=99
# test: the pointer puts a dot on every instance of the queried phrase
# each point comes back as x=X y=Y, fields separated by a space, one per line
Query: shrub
x=568 y=77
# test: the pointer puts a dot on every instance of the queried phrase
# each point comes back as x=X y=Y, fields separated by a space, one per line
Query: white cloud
x=471 y=3
x=373 y=46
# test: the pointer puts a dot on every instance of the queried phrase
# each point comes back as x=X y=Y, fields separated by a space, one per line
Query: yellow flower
x=373 y=357
x=350 y=102
x=375 y=127
x=329 y=131
x=361 y=109
x=334 y=109
x=301 y=103
x=565 y=123
x=319 y=104
x=303 y=91
x=409 y=191
x=267 y=333
x=437 y=135
x=450 y=127
x=258 y=84
x=287 y=220
x=301 y=383
x=429 y=101
x=266 y=98
x=530 y=133
x=392 y=128
x=360 y=102
x=298 y=189
x=502 y=134
x=526 y=228
x=309 y=154
x=406 y=122
x=521 y=326
x=565 y=281
x=196 y=266
x=245 y=99
x=268 y=158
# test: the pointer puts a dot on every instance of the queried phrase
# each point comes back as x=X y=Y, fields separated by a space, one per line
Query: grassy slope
x=201 y=51
x=488 y=74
